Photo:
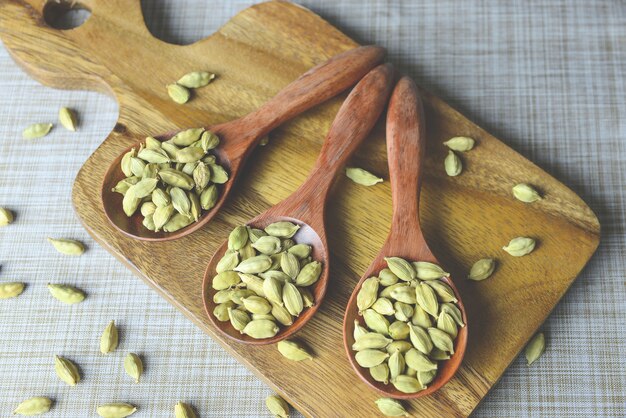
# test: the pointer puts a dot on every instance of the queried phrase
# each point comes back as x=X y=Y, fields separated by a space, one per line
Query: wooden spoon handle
x=354 y=121
x=405 y=151
x=315 y=86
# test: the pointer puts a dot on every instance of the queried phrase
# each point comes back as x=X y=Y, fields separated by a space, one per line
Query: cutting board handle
x=54 y=57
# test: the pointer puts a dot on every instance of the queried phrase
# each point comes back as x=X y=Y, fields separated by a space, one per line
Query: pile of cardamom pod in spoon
x=171 y=182
x=411 y=322
x=263 y=278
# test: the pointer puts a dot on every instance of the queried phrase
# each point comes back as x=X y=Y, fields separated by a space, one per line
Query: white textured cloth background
x=547 y=77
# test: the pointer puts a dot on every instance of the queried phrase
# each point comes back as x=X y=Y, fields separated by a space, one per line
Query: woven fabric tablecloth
x=548 y=77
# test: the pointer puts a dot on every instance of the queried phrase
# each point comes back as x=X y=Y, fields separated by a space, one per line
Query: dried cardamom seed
x=292 y=299
x=429 y=271
x=400 y=346
x=201 y=176
x=482 y=269
x=443 y=291
x=441 y=339
x=309 y=274
x=253 y=283
x=401 y=268
x=526 y=193
x=281 y=314
x=183 y=410
x=446 y=323
x=396 y=364
x=209 y=141
x=208 y=197
x=362 y=177
x=370 y=358
x=67 y=246
x=162 y=215
x=403 y=311
x=257 y=305
x=371 y=340
x=123 y=185
x=426 y=298
x=222 y=296
x=156 y=156
x=404 y=294
x=147 y=209
x=195 y=79
x=247 y=251
x=153 y=143
x=253 y=265
x=33 y=406
x=160 y=198
x=238 y=319
x=170 y=149
x=255 y=234
x=391 y=407
x=133 y=366
x=221 y=311
x=398 y=330
x=387 y=278
x=228 y=262
x=420 y=339
x=293 y=351
x=380 y=373
x=273 y=289
x=460 y=143
x=535 y=348
x=137 y=166
x=453 y=164
x=66 y=370
x=358 y=330
x=277 y=406
x=109 y=339
x=176 y=222
x=289 y=264
x=187 y=137
x=178 y=93
x=267 y=245
x=237 y=295
x=225 y=280
x=520 y=246
x=367 y=294
x=238 y=238
x=116 y=410
x=277 y=275
x=283 y=229
x=426 y=377
x=196 y=210
x=261 y=329
x=418 y=361
x=386 y=292
x=407 y=384
x=454 y=312
x=143 y=188
x=176 y=178
x=36 y=130
x=11 y=289
x=437 y=354
x=189 y=154
x=67 y=117
x=383 y=306
x=125 y=163
x=66 y=294
x=218 y=174
x=375 y=321
x=301 y=251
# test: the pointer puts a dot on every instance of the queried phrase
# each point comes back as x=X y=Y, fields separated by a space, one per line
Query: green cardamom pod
x=443 y=291
x=446 y=323
x=453 y=164
x=208 y=197
x=238 y=319
x=109 y=339
x=67 y=246
x=383 y=306
x=137 y=166
x=401 y=346
x=380 y=373
x=177 y=221
x=66 y=370
x=218 y=174
x=276 y=263
x=282 y=229
x=183 y=410
x=253 y=265
x=482 y=269
x=189 y=167
x=367 y=294
x=396 y=364
x=399 y=330
x=67 y=117
x=420 y=339
x=156 y=156
x=460 y=143
x=362 y=177
x=454 y=312
x=370 y=358
x=441 y=339
x=391 y=407
x=228 y=262
x=387 y=278
x=201 y=176
x=237 y=295
x=196 y=210
x=125 y=163
x=133 y=366
x=33 y=406
x=429 y=271
x=147 y=208
x=375 y=321
x=307 y=297
x=407 y=384
x=292 y=299
x=195 y=79
x=535 y=348
x=261 y=329
x=526 y=193
x=301 y=251
x=160 y=198
x=273 y=290
x=121 y=187
x=116 y=410
x=404 y=294
x=289 y=264
x=439 y=355
x=36 y=130
x=418 y=361
x=178 y=93
x=162 y=215
x=238 y=238
x=421 y=318
x=253 y=283
x=293 y=351
x=426 y=377
x=403 y=311
x=189 y=154
x=176 y=178
x=269 y=317
x=221 y=311
x=11 y=289
x=142 y=189
x=309 y=274
x=257 y=305
x=222 y=296
x=358 y=330
x=255 y=234
x=276 y=275
x=277 y=406
x=148 y=223
x=247 y=251
x=371 y=340
x=520 y=246
x=153 y=143
x=267 y=245
x=281 y=314
x=209 y=141
x=426 y=298
x=225 y=280
x=170 y=149
x=401 y=268
x=66 y=294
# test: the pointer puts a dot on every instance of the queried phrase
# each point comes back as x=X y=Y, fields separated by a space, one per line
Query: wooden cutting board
x=255 y=54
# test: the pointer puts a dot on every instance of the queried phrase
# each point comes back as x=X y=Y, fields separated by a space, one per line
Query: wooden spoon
x=239 y=137
x=405 y=152
x=305 y=207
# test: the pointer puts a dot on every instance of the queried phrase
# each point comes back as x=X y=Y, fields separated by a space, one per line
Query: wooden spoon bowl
x=405 y=150
x=239 y=137
x=306 y=206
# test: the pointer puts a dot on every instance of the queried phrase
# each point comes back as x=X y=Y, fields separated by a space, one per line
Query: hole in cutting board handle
x=65 y=14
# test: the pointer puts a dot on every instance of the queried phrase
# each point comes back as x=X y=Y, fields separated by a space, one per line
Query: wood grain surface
x=255 y=54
